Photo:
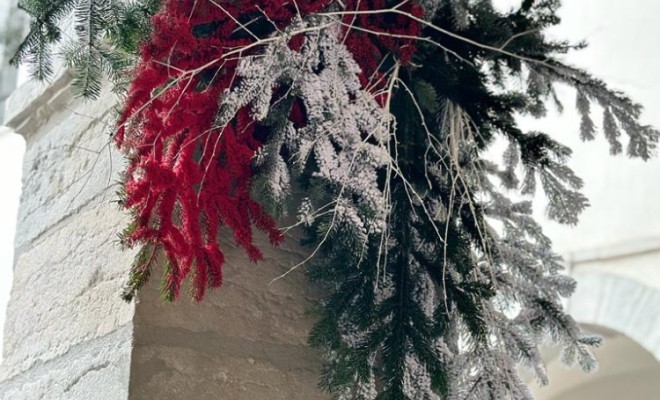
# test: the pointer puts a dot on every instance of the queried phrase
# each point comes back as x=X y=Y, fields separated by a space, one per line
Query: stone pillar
x=68 y=334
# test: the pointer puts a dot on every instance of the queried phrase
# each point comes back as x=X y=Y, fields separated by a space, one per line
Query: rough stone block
x=69 y=162
x=94 y=370
x=172 y=373
x=32 y=104
x=66 y=290
x=245 y=341
x=249 y=305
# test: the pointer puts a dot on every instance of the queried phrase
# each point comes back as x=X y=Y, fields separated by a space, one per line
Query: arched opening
x=617 y=298
x=626 y=371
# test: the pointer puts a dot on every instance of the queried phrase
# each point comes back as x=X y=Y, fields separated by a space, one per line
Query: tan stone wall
x=246 y=341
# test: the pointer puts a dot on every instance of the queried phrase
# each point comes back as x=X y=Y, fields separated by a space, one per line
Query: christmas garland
x=192 y=148
x=381 y=113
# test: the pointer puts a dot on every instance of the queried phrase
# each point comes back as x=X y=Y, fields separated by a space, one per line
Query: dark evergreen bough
x=457 y=304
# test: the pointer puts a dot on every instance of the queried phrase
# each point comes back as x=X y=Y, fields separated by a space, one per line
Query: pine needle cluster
x=96 y=38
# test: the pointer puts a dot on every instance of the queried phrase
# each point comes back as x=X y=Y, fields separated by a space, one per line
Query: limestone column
x=68 y=334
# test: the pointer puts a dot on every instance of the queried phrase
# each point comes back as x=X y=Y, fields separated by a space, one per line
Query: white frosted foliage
x=346 y=131
x=417 y=382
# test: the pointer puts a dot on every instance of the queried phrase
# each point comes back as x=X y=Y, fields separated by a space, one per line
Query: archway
x=626 y=313
x=626 y=371
x=621 y=304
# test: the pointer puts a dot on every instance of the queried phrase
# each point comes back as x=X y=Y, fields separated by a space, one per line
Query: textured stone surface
x=94 y=370
x=34 y=102
x=68 y=335
x=66 y=290
x=247 y=300
x=246 y=341
x=69 y=162
x=179 y=372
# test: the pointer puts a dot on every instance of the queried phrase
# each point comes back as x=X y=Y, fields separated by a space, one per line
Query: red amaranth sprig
x=188 y=177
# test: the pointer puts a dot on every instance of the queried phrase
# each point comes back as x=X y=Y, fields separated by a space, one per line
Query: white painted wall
x=12 y=147
x=623 y=37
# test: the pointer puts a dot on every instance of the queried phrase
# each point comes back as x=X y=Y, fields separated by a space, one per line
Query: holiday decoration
x=439 y=284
